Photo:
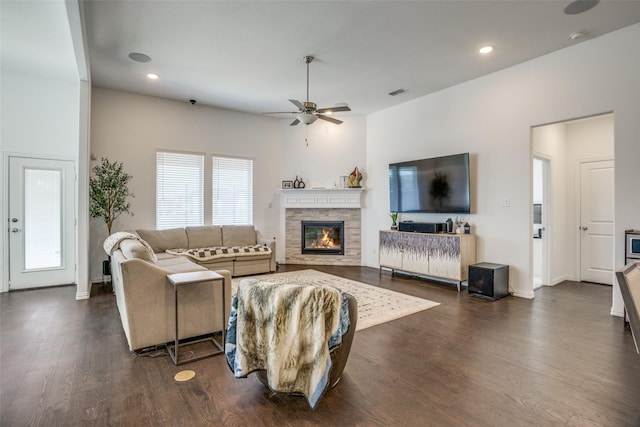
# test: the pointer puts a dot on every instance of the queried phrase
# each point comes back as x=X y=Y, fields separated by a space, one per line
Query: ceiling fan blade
x=329 y=119
x=282 y=112
x=295 y=122
x=333 y=109
x=297 y=104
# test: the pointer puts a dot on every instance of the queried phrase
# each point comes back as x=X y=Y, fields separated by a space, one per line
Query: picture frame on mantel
x=286 y=185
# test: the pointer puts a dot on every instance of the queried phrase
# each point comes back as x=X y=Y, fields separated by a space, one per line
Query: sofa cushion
x=161 y=240
x=203 y=237
x=179 y=265
x=238 y=235
x=132 y=248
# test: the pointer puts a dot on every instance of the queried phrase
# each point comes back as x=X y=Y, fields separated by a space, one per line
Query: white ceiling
x=247 y=55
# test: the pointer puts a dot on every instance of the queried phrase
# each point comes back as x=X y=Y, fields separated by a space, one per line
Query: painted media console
x=445 y=256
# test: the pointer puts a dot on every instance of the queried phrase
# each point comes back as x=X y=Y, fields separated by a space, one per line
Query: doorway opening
x=540 y=219
x=576 y=195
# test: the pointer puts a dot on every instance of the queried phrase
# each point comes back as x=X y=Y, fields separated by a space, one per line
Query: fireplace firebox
x=322 y=237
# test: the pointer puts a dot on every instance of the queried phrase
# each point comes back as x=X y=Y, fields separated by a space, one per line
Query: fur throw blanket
x=112 y=243
x=284 y=329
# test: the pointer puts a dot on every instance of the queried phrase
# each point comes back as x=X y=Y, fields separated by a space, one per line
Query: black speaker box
x=422 y=227
x=488 y=280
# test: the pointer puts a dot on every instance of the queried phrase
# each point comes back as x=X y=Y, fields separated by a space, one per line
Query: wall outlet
x=505 y=202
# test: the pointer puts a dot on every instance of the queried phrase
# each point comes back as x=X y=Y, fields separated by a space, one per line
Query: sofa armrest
x=272 y=245
x=147 y=300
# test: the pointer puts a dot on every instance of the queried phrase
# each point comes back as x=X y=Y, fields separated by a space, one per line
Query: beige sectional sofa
x=226 y=236
x=145 y=301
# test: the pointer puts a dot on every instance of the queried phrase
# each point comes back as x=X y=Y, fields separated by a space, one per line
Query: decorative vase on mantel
x=355 y=178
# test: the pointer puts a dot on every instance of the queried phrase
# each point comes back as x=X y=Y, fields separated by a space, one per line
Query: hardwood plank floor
x=559 y=359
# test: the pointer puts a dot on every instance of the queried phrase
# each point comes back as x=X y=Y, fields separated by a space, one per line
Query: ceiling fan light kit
x=307 y=111
x=306 y=118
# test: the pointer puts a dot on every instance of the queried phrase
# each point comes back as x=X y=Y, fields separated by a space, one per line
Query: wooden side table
x=184 y=279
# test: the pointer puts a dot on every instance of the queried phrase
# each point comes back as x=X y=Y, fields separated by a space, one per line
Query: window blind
x=179 y=190
x=232 y=187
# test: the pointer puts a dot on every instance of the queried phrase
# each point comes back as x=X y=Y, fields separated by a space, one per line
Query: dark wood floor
x=559 y=359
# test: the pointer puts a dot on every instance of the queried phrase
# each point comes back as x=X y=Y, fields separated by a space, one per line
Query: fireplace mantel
x=322 y=198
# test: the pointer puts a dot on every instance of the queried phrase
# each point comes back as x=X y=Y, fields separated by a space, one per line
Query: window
x=179 y=190
x=232 y=187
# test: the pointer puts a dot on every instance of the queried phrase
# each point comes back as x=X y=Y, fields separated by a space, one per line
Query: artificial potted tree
x=109 y=196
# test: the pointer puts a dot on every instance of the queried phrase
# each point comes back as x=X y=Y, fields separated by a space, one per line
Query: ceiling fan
x=307 y=111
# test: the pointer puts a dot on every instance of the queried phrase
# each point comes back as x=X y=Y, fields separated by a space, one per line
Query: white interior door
x=41 y=222
x=596 y=221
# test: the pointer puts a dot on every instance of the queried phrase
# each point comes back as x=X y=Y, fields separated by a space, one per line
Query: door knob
x=14 y=219
x=584 y=228
x=15 y=230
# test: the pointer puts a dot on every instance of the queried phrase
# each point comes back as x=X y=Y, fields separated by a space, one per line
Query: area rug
x=375 y=305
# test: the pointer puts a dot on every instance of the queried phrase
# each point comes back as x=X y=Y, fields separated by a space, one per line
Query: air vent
x=397 y=92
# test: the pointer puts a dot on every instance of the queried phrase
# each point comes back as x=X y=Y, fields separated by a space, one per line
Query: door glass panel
x=42 y=219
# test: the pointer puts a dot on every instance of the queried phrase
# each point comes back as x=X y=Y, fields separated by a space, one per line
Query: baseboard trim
x=617 y=312
x=558 y=280
x=82 y=295
x=523 y=294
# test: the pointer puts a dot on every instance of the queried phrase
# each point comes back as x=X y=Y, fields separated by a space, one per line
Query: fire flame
x=325 y=241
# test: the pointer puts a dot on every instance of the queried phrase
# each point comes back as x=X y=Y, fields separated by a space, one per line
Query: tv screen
x=436 y=185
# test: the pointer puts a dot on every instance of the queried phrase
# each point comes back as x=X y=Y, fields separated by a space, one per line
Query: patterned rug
x=375 y=305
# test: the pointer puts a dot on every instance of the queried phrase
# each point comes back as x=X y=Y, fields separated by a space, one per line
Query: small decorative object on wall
x=355 y=178
x=394 y=219
x=287 y=185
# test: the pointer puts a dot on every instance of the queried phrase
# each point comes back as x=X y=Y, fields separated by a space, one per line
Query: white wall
x=39 y=115
x=491 y=117
x=130 y=128
x=322 y=152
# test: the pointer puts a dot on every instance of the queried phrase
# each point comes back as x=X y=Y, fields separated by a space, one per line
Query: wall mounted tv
x=436 y=185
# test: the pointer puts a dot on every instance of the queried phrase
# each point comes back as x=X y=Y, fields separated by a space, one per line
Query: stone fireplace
x=325 y=211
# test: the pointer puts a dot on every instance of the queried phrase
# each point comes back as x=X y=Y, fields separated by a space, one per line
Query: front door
x=41 y=222
x=596 y=221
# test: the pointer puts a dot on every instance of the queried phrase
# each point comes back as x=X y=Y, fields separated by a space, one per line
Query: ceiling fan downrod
x=307 y=104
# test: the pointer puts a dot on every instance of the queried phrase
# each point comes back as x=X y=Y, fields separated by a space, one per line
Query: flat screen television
x=436 y=185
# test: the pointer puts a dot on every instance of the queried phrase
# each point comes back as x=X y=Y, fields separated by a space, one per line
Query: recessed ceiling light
x=152 y=76
x=485 y=49
x=580 y=6
x=139 y=57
